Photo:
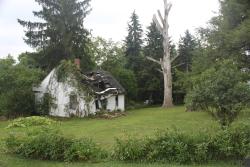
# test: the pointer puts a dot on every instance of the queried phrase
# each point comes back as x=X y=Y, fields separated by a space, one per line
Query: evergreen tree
x=187 y=46
x=152 y=89
x=60 y=34
x=133 y=44
x=229 y=33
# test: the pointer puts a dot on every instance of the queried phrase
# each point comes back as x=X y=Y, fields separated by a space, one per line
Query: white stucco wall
x=111 y=103
x=121 y=102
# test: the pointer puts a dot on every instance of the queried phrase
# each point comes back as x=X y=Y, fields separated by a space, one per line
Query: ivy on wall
x=67 y=72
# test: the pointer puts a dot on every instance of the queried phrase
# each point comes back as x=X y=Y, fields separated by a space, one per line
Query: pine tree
x=187 y=45
x=61 y=33
x=152 y=89
x=133 y=44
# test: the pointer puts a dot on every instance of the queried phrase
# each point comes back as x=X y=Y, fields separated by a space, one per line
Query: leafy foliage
x=48 y=143
x=228 y=33
x=221 y=90
x=110 y=56
x=45 y=104
x=68 y=72
x=130 y=149
x=84 y=150
x=16 y=81
x=178 y=147
x=31 y=121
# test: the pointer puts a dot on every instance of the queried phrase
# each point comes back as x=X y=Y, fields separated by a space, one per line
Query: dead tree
x=166 y=61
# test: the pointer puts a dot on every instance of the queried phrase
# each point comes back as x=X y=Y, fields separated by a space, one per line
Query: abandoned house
x=103 y=92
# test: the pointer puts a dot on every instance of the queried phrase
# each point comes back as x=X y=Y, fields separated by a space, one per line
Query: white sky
x=108 y=19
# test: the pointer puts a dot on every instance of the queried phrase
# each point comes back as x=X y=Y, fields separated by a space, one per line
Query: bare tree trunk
x=168 y=100
x=166 y=61
x=166 y=68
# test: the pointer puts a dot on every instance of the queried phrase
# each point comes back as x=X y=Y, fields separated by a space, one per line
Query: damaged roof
x=102 y=82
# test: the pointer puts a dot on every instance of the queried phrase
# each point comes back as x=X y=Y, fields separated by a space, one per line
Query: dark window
x=97 y=104
x=116 y=101
x=73 y=102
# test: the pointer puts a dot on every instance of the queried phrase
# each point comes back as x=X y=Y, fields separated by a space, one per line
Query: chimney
x=77 y=62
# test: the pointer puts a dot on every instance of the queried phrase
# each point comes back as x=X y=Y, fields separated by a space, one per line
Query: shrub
x=31 y=121
x=176 y=147
x=16 y=81
x=129 y=150
x=84 y=150
x=221 y=90
x=49 y=144
x=231 y=143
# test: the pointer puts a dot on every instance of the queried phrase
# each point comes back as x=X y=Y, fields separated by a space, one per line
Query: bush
x=84 y=150
x=221 y=90
x=176 y=147
x=50 y=144
x=231 y=143
x=129 y=149
x=31 y=121
x=16 y=82
x=45 y=146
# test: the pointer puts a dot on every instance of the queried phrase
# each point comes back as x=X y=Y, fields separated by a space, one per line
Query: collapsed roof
x=102 y=82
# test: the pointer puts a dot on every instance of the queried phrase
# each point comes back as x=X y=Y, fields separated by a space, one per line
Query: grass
x=142 y=122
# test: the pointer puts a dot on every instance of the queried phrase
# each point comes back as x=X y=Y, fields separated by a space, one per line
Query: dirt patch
x=109 y=115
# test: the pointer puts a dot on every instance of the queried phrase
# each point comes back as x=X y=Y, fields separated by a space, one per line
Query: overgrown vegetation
x=39 y=138
x=174 y=146
x=31 y=121
x=220 y=90
x=16 y=95
x=45 y=104
x=68 y=72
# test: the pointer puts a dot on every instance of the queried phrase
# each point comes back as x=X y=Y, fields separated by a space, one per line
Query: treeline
x=217 y=56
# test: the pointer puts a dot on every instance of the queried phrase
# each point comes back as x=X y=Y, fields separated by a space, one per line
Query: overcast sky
x=108 y=19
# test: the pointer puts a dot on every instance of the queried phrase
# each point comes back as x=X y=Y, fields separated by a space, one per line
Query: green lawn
x=142 y=122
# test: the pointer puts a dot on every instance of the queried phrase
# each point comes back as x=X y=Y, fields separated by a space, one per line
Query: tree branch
x=160 y=70
x=153 y=60
x=161 y=18
x=158 y=25
x=169 y=7
x=178 y=65
x=173 y=59
x=165 y=3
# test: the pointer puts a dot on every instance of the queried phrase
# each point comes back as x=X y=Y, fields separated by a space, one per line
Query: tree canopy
x=60 y=34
